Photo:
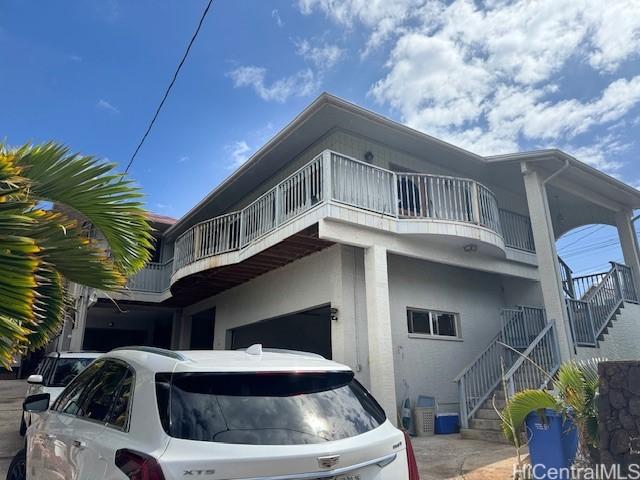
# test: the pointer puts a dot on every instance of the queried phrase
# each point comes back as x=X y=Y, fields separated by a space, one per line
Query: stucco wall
x=427 y=366
x=623 y=340
x=333 y=276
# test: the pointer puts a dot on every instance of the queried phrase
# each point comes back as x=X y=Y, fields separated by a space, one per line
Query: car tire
x=18 y=467
x=23 y=427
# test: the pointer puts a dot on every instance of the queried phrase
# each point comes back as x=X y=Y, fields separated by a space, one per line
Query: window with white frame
x=433 y=323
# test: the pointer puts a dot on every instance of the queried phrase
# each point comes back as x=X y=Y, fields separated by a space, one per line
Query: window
x=73 y=397
x=431 y=322
x=265 y=408
x=101 y=394
x=45 y=369
x=67 y=369
x=119 y=415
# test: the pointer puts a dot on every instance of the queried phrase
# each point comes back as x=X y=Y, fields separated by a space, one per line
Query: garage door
x=308 y=331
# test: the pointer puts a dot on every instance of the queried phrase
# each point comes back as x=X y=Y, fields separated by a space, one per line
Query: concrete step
x=486 y=413
x=486 y=435
x=489 y=402
x=485 y=424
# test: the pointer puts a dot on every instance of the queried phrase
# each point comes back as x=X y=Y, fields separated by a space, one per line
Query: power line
x=173 y=80
x=582 y=237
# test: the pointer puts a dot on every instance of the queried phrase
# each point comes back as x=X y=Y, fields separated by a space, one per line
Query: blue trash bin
x=553 y=442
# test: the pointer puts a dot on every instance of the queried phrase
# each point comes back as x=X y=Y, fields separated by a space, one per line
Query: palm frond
x=521 y=405
x=91 y=188
x=49 y=307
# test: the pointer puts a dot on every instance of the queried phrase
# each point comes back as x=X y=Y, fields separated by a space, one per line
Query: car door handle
x=79 y=444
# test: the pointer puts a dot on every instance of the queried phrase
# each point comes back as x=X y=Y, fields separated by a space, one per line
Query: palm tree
x=575 y=396
x=48 y=196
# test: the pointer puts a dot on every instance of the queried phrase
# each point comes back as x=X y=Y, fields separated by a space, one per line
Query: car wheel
x=18 y=467
x=23 y=427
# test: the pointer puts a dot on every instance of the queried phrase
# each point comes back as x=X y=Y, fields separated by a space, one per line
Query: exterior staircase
x=528 y=341
x=594 y=301
x=526 y=336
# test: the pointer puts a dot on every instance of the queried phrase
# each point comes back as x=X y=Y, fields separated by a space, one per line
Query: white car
x=146 y=413
x=54 y=373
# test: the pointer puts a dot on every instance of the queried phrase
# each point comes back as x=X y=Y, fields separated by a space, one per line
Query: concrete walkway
x=439 y=457
x=451 y=457
x=11 y=396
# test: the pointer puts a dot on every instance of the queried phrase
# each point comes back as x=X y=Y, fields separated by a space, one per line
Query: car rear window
x=265 y=408
x=67 y=369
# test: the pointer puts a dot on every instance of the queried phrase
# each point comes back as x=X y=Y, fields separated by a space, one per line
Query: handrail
x=481 y=376
x=535 y=367
x=567 y=278
x=590 y=315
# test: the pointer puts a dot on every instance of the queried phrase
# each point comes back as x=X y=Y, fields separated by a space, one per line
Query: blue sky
x=511 y=76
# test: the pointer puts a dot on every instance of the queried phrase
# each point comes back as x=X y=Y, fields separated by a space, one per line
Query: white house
x=407 y=258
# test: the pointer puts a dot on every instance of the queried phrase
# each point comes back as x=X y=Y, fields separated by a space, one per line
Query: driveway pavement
x=11 y=396
x=439 y=457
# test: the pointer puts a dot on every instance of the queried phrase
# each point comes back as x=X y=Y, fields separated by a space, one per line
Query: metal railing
x=590 y=315
x=337 y=178
x=476 y=382
x=566 y=275
x=516 y=230
x=537 y=364
x=154 y=277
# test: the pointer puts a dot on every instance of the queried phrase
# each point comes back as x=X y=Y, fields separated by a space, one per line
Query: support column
x=379 y=330
x=629 y=244
x=80 y=318
x=547 y=255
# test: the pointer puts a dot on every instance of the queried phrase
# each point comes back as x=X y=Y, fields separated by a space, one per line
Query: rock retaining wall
x=619 y=413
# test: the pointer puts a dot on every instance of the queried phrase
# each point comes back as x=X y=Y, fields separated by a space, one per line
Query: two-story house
x=409 y=259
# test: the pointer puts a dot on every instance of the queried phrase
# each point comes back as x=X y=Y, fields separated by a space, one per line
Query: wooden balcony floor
x=201 y=285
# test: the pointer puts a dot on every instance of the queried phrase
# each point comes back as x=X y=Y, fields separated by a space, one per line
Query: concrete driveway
x=439 y=457
x=11 y=396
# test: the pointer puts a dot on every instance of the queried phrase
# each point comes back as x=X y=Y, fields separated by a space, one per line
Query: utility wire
x=582 y=237
x=173 y=80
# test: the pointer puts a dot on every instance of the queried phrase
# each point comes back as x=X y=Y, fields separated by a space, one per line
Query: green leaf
x=521 y=405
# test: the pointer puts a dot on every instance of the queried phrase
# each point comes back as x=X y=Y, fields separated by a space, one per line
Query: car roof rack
x=156 y=350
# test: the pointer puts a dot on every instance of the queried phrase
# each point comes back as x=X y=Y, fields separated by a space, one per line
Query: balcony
x=438 y=201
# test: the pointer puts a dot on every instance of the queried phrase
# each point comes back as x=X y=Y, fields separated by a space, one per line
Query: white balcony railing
x=153 y=278
x=332 y=177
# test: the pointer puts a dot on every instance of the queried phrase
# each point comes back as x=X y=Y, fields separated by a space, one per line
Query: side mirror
x=34 y=379
x=36 y=403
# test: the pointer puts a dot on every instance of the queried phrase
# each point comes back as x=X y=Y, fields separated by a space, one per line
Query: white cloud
x=488 y=79
x=384 y=17
x=103 y=104
x=600 y=154
x=300 y=84
x=324 y=56
x=275 y=14
x=239 y=153
x=183 y=159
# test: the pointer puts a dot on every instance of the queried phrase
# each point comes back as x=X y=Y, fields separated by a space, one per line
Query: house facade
x=420 y=265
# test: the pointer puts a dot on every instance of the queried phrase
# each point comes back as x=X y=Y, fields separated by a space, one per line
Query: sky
x=493 y=77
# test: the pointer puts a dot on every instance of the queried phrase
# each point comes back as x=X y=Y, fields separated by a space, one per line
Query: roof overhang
x=328 y=113
x=579 y=177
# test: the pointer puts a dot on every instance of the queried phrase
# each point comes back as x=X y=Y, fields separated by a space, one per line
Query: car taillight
x=411 y=459
x=138 y=466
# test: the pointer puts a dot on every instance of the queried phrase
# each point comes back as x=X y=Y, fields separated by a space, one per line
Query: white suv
x=54 y=373
x=145 y=413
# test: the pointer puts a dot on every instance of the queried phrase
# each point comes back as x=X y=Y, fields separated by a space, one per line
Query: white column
x=379 y=330
x=548 y=268
x=80 y=319
x=629 y=244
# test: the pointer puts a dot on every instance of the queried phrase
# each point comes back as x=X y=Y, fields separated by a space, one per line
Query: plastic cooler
x=447 y=423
